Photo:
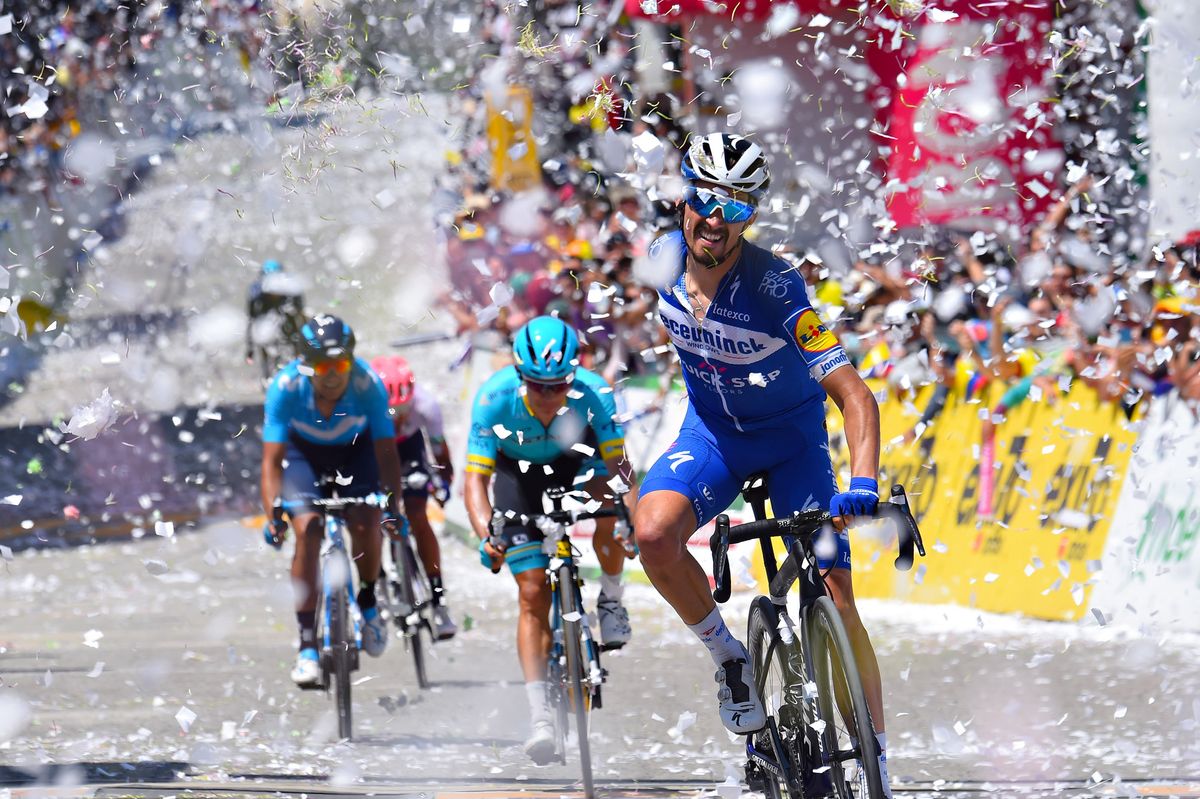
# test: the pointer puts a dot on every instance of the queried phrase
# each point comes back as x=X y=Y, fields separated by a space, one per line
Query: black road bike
x=819 y=740
x=574 y=675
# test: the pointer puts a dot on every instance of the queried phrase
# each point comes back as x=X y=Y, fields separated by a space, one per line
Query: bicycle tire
x=769 y=655
x=340 y=643
x=840 y=693
x=578 y=696
x=413 y=634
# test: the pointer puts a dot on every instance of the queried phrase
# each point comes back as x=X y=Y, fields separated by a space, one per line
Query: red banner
x=742 y=10
x=969 y=137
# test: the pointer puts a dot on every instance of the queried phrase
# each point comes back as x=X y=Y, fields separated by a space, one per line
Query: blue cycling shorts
x=708 y=463
x=312 y=471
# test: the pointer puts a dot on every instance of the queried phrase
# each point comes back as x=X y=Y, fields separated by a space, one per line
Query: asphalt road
x=106 y=652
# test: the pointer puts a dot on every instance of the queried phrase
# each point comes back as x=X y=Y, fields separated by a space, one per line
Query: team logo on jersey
x=774 y=284
x=812 y=335
x=717 y=341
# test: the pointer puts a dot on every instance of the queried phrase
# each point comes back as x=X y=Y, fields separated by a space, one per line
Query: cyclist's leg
x=806 y=482
x=412 y=459
x=360 y=466
x=299 y=486
x=521 y=494
x=684 y=489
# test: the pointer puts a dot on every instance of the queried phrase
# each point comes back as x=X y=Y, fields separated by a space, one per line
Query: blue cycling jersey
x=501 y=422
x=761 y=352
x=291 y=409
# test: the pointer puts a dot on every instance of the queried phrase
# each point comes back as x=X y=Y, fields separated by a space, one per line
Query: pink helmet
x=397 y=378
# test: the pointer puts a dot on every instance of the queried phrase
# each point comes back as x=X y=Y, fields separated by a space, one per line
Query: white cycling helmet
x=727 y=160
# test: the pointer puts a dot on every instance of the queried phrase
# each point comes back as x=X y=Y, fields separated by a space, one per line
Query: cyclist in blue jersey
x=327 y=430
x=543 y=423
x=758 y=363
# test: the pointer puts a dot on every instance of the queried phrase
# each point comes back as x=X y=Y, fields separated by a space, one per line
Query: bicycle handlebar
x=804 y=525
x=559 y=516
x=375 y=500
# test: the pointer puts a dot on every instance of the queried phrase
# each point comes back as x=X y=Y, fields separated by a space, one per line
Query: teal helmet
x=545 y=350
x=271 y=267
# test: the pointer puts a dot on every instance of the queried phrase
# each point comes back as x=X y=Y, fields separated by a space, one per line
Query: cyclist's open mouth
x=710 y=237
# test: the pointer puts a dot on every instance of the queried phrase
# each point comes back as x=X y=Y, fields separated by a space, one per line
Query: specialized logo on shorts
x=774 y=284
x=706 y=492
x=677 y=459
x=812 y=335
x=717 y=340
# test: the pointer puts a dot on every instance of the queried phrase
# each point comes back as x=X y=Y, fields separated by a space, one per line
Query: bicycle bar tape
x=719 y=544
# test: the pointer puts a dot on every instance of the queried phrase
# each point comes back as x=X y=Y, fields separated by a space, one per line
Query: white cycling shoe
x=615 y=631
x=741 y=707
x=307 y=671
x=540 y=745
x=374 y=633
x=444 y=627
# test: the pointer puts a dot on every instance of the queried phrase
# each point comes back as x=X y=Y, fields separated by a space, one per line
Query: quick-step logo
x=717 y=340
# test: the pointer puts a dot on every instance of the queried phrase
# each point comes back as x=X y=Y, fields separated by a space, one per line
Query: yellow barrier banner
x=1059 y=466
x=515 y=164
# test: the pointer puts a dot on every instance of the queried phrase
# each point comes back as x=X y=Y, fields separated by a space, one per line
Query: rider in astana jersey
x=545 y=423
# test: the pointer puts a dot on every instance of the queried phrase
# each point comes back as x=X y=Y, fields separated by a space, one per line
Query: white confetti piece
x=572 y=616
x=584 y=449
x=501 y=431
x=89 y=421
x=97 y=669
x=11 y=499
x=186 y=716
x=164 y=529
x=92 y=638
x=939 y=15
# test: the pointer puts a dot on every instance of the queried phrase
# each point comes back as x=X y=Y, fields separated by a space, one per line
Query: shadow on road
x=71 y=774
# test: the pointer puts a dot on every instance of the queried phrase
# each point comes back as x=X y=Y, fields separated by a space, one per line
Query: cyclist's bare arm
x=621 y=467
x=272 y=474
x=861 y=412
x=389 y=466
x=479 y=506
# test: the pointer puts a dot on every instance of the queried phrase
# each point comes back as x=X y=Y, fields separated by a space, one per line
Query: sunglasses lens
x=340 y=366
x=705 y=202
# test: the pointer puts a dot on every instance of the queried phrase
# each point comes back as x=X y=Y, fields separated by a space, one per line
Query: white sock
x=539 y=709
x=883 y=767
x=711 y=630
x=610 y=586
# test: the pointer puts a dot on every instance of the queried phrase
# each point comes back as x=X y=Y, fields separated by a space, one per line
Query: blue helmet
x=324 y=338
x=545 y=350
x=271 y=267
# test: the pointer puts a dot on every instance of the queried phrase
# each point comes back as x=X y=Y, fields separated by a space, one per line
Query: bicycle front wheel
x=409 y=592
x=777 y=681
x=578 y=687
x=848 y=742
x=341 y=643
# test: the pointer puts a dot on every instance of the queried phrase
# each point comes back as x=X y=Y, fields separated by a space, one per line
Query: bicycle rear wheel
x=578 y=687
x=411 y=575
x=781 y=692
x=341 y=643
x=843 y=707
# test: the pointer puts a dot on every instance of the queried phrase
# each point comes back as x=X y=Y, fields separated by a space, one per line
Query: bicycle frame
x=336 y=575
x=800 y=565
x=564 y=555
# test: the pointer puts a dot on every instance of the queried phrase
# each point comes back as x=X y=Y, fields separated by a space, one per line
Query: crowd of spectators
x=961 y=309
x=66 y=62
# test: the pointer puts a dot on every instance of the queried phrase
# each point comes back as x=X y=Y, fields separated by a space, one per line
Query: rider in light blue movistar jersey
x=758 y=363
x=327 y=429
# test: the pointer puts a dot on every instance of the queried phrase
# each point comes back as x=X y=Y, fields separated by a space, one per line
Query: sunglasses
x=706 y=201
x=339 y=366
x=548 y=388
